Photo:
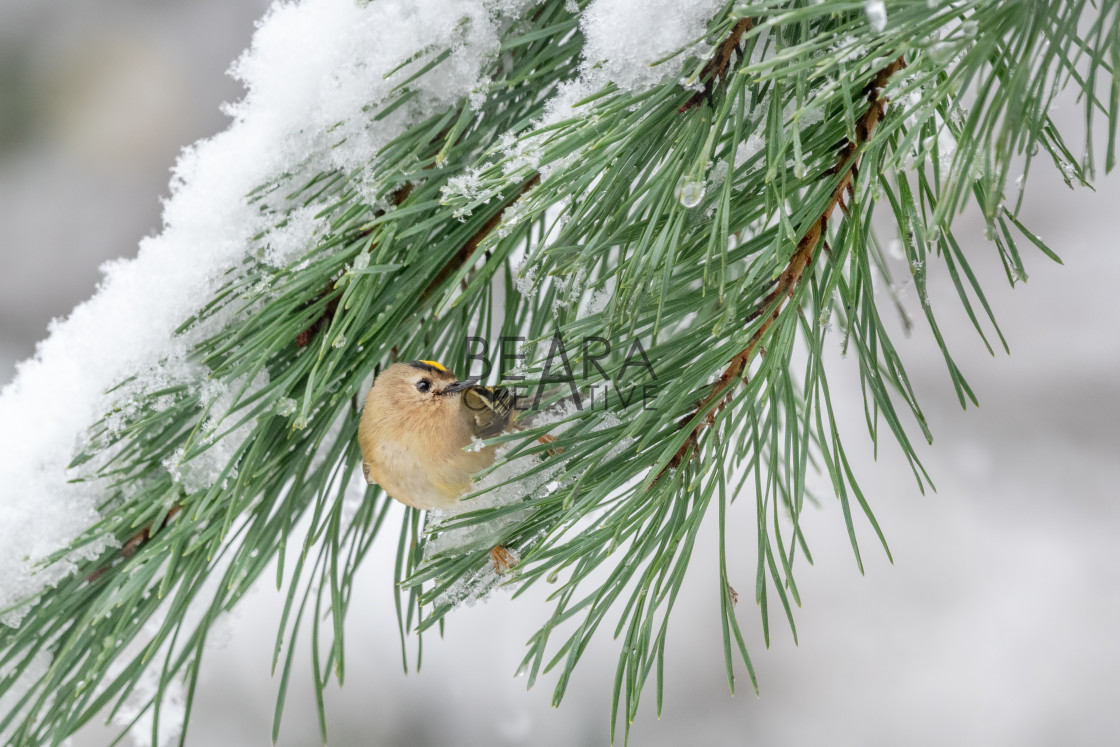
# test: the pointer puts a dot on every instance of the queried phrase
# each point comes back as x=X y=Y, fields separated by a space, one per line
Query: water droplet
x=941 y=53
x=689 y=192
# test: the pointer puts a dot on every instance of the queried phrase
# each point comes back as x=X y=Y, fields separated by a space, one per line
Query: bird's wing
x=487 y=409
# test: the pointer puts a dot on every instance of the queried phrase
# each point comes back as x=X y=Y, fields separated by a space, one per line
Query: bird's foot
x=548 y=438
x=502 y=559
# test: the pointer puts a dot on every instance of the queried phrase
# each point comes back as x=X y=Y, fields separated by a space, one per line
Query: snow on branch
x=313 y=72
x=312 y=75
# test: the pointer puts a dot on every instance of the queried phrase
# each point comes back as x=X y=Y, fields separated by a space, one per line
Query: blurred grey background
x=999 y=622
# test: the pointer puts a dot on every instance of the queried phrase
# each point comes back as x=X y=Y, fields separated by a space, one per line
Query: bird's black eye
x=423 y=385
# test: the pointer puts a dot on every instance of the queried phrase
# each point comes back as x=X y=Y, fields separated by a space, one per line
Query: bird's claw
x=502 y=559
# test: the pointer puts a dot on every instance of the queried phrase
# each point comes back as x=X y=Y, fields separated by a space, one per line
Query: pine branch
x=612 y=218
x=463 y=256
x=847 y=166
x=397 y=198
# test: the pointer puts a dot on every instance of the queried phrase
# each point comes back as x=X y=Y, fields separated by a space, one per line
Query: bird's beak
x=459 y=386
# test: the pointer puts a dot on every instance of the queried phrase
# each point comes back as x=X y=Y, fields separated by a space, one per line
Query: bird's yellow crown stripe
x=436 y=365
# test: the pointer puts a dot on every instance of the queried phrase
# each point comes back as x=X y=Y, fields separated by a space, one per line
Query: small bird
x=417 y=421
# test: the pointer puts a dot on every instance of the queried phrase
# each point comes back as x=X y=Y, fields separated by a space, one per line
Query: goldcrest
x=417 y=421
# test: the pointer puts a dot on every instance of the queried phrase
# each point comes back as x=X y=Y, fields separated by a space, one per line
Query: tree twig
x=304 y=338
x=136 y=541
x=847 y=165
x=716 y=67
x=468 y=249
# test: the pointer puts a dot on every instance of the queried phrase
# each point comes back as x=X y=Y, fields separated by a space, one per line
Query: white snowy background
x=996 y=625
